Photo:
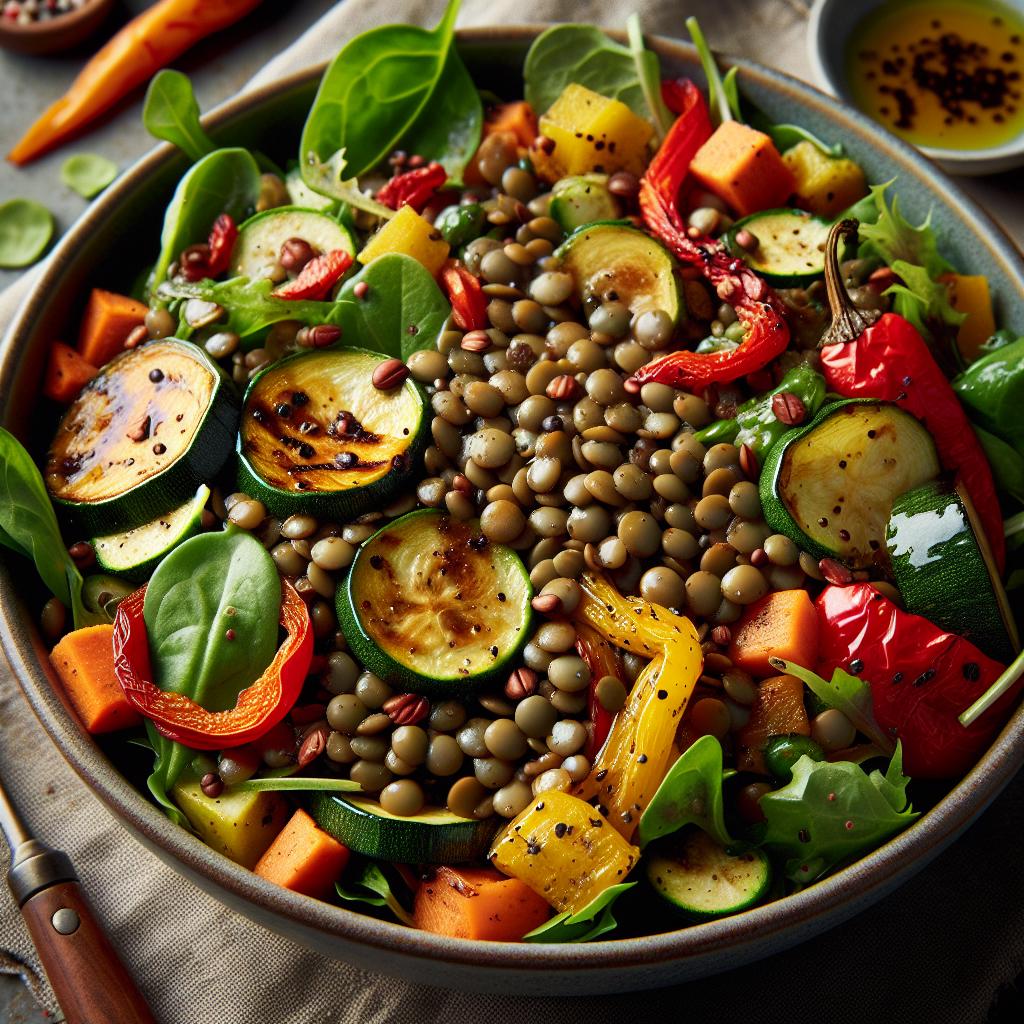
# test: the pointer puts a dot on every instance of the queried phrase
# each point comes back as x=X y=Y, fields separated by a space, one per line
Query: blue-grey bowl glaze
x=104 y=247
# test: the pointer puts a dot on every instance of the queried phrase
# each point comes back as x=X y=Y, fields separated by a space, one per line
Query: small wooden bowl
x=54 y=34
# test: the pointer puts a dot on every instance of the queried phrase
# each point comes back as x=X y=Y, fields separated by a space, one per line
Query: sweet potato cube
x=825 y=185
x=592 y=133
x=969 y=293
x=407 y=232
x=742 y=167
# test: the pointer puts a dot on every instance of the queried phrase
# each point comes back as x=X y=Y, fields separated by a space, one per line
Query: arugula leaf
x=584 y=55
x=648 y=73
x=376 y=891
x=832 y=812
x=894 y=238
x=88 y=174
x=594 y=920
x=922 y=300
x=718 y=97
x=845 y=693
x=690 y=794
x=170 y=113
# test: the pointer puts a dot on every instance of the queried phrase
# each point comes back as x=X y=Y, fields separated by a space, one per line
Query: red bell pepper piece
x=921 y=678
x=413 y=188
x=603 y=660
x=865 y=355
x=761 y=312
x=469 y=304
x=317 y=277
x=259 y=707
x=221 y=242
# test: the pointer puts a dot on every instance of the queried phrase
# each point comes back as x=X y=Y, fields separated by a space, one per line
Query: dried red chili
x=221 y=242
x=921 y=678
x=260 y=706
x=469 y=304
x=757 y=307
x=317 y=277
x=413 y=188
x=603 y=660
x=867 y=354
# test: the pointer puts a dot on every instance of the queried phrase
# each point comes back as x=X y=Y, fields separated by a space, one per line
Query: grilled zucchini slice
x=260 y=238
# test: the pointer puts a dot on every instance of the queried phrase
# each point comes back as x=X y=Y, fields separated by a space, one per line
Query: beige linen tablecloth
x=942 y=949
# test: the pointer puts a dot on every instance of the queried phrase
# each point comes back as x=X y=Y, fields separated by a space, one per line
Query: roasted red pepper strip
x=469 y=304
x=259 y=707
x=602 y=659
x=221 y=242
x=317 y=277
x=889 y=360
x=414 y=188
x=760 y=311
x=921 y=678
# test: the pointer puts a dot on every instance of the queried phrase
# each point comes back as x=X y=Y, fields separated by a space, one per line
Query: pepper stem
x=1002 y=685
x=848 y=321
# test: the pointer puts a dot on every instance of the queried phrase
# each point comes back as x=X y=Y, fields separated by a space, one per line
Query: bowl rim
x=994 y=157
x=795 y=917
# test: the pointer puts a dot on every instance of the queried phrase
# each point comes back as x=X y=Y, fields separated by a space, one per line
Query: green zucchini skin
x=208 y=453
x=330 y=504
x=415 y=840
x=785 y=236
x=425 y=679
x=260 y=238
x=942 y=565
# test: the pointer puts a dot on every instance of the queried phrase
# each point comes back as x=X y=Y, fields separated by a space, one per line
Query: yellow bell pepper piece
x=969 y=293
x=825 y=185
x=409 y=233
x=631 y=765
x=592 y=133
x=564 y=851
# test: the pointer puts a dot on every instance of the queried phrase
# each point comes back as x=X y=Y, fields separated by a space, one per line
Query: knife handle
x=89 y=980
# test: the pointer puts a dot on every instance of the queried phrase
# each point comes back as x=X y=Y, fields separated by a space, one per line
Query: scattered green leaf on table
x=170 y=112
x=690 y=794
x=370 y=885
x=26 y=228
x=88 y=174
x=594 y=920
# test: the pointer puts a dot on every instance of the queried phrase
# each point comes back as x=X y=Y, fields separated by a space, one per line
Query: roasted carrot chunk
x=109 y=319
x=66 y=373
x=303 y=858
x=778 y=711
x=781 y=625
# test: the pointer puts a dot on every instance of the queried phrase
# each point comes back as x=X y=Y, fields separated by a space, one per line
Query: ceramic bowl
x=55 y=34
x=105 y=248
x=831 y=24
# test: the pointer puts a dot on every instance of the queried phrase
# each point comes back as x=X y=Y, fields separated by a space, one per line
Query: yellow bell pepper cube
x=825 y=185
x=407 y=232
x=591 y=134
x=563 y=849
x=969 y=293
x=632 y=763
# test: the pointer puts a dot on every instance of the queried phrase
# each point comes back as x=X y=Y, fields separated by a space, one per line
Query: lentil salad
x=544 y=451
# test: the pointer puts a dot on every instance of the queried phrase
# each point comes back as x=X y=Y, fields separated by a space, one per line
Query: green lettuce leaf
x=370 y=885
x=894 y=238
x=594 y=920
x=922 y=300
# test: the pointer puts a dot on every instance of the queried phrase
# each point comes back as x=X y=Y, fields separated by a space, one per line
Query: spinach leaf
x=87 y=173
x=225 y=181
x=690 y=794
x=786 y=136
x=170 y=113
x=28 y=526
x=370 y=886
x=387 y=85
x=26 y=228
x=564 y=54
x=832 y=812
x=845 y=693
x=211 y=613
x=593 y=921
x=648 y=73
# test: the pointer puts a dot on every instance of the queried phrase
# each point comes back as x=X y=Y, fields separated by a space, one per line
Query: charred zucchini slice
x=260 y=238
x=318 y=437
x=432 y=606
x=152 y=426
x=434 y=836
x=790 y=245
x=943 y=565
x=829 y=486
x=701 y=878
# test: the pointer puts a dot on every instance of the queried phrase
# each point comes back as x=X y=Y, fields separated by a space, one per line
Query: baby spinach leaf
x=564 y=54
x=28 y=526
x=26 y=228
x=87 y=173
x=832 y=812
x=225 y=181
x=370 y=885
x=170 y=113
x=594 y=920
x=211 y=614
x=845 y=693
x=690 y=794
x=648 y=73
x=384 y=86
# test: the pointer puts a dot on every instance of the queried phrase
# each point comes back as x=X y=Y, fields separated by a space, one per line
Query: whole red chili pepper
x=469 y=304
x=866 y=354
x=760 y=311
x=259 y=707
x=317 y=277
x=413 y=188
x=603 y=660
x=921 y=678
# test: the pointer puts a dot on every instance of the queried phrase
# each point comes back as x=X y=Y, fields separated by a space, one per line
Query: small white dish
x=830 y=25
